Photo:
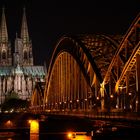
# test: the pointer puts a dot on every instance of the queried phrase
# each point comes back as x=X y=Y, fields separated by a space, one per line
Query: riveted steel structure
x=76 y=72
x=123 y=73
x=95 y=73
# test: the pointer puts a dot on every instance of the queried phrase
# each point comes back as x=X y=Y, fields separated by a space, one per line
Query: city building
x=18 y=74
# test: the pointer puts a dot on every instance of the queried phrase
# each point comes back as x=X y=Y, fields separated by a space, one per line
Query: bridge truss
x=94 y=73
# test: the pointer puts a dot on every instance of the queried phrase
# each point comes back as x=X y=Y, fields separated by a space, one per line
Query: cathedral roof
x=26 y=70
x=34 y=70
x=5 y=70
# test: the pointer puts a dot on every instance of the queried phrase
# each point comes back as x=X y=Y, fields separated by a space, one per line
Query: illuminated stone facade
x=17 y=71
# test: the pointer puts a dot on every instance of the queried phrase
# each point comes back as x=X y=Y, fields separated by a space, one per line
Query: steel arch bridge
x=94 y=73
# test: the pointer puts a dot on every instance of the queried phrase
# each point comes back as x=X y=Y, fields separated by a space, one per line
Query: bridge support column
x=102 y=98
x=138 y=82
x=126 y=101
x=118 y=99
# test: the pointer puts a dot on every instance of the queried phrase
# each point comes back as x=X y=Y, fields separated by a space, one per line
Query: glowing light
x=117 y=86
x=34 y=127
x=78 y=136
x=114 y=128
x=70 y=135
x=97 y=98
x=102 y=89
x=82 y=137
x=111 y=96
x=29 y=121
x=11 y=110
x=9 y=124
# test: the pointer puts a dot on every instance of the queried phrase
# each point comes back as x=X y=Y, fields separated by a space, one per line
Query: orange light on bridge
x=77 y=100
x=111 y=96
x=97 y=98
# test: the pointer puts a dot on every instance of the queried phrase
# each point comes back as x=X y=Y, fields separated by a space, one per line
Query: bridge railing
x=99 y=115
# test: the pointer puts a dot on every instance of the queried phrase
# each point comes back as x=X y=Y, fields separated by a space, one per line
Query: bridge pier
x=126 y=101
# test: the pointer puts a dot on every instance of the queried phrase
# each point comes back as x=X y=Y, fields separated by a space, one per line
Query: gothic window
x=4 y=54
x=25 y=55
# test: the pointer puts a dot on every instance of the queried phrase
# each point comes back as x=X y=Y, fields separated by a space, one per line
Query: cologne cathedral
x=17 y=70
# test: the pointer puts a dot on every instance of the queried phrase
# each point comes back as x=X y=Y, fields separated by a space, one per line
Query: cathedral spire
x=4 y=34
x=24 y=28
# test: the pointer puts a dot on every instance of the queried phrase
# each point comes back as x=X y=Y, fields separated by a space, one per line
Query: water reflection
x=81 y=137
x=58 y=137
x=78 y=136
x=16 y=137
x=34 y=137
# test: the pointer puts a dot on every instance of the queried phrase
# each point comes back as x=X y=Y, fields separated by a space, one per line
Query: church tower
x=5 y=46
x=17 y=71
x=23 y=45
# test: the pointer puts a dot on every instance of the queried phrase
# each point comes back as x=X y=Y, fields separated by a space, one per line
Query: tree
x=13 y=103
x=11 y=95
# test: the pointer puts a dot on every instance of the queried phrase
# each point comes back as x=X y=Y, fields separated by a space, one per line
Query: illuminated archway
x=76 y=71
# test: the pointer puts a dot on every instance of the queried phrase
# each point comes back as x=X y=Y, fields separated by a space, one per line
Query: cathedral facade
x=18 y=73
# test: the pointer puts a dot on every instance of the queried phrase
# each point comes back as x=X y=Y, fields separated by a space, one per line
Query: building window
x=25 y=55
x=3 y=54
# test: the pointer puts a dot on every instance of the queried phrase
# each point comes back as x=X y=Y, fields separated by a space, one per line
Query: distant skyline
x=49 y=21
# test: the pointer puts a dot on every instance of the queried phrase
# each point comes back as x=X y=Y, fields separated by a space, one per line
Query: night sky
x=48 y=21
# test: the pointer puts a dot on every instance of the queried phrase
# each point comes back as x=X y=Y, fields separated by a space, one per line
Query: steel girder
x=93 y=53
x=124 y=52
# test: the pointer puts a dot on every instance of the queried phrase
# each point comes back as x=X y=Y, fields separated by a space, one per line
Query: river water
x=36 y=137
x=62 y=128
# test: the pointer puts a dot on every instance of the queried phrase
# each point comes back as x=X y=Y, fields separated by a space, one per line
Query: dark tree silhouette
x=13 y=103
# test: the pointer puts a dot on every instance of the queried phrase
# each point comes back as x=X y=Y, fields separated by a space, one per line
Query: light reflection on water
x=79 y=137
x=36 y=137
x=15 y=137
x=83 y=137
